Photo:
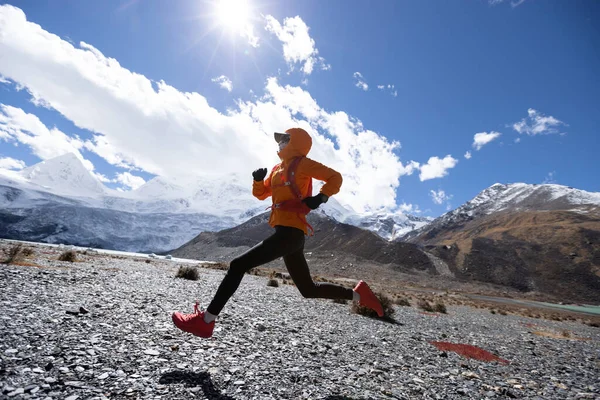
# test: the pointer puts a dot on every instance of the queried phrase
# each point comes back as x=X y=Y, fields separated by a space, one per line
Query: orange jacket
x=299 y=145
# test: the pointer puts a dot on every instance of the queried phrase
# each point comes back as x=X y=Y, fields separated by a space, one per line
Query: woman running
x=290 y=186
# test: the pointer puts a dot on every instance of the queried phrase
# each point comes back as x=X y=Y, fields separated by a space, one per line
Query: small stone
x=490 y=394
x=74 y=383
x=582 y=395
x=103 y=376
x=50 y=380
x=151 y=352
x=28 y=388
x=38 y=370
x=35 y=390
x=238 y=383
x=419 y=381
x=64 y=370
x=16 y=392
x=49 y=366
x=11 y=351
x=74 y=397
x=70 y=312
x=25 y=370
x=83 y=310
x=462 y=391
x=79 y=368
x=470 y=375
x=91 y=352
x=261 y=328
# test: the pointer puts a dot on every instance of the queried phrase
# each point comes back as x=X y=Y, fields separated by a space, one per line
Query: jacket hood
x=299 y=145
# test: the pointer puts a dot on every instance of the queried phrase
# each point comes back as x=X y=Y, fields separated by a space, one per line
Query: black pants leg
x=284 y=241
x=298 y=269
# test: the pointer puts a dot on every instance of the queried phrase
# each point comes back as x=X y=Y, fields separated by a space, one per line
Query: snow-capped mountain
x=388 y=225
x=514 y=197
x=523 y=197
x=64 y=175
x=60 y=201
x=36 y=202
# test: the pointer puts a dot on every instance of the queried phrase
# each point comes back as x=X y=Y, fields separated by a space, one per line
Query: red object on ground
x=469 y=351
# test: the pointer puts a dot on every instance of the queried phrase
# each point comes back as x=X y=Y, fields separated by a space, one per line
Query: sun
x=233 y=14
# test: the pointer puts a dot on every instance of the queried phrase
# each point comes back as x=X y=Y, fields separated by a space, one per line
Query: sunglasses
x=282 y=137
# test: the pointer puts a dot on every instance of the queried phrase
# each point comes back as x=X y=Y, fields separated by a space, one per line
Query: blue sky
x=522 y=76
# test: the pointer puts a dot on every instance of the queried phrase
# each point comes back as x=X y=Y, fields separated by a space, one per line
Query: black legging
x=286 y=242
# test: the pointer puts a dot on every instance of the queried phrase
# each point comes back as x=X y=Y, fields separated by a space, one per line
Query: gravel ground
x=101 y=328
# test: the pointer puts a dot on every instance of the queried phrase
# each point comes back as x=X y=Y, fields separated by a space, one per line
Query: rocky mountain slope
x=542 y=238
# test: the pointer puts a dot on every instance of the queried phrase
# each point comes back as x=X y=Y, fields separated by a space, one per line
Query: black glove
x=259 y=174
x=315 y=201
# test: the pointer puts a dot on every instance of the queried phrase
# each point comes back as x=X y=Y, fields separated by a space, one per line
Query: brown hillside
x=331 y=238
x=553 y=252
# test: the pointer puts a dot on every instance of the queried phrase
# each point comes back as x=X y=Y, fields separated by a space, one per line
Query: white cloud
x=248 y=33
x=537 y=123
x=102 y=177
x=391 y=88
x=19 y=127
x=518 y=140
x=410 y=167
x=359 y=81
x=483 y=138
x=437 y=167
x=468 y=155
x=153 y=127
x=11 y=163
x=224 y=82
x=440 y=196
x=513 y=3
x=409 y=208
x=131 y=181
x=3 y=79
x=298 y=46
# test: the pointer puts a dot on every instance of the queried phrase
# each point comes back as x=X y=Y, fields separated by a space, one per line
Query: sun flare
x=233 y=14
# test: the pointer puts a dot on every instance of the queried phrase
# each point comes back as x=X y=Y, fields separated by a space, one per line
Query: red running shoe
x=193 y=323
x=368 y=299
